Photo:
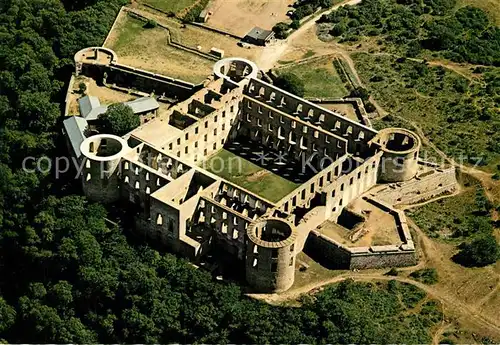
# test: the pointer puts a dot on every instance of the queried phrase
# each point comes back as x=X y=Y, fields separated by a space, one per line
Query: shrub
x=291 y=83
x=119 y=119
x=360 y=92
x=480 y=252
x=82 y=88
x=150 y=24
x=426 y=275
x=281 y=30
x=295 y=24
x=369 y=107
x=392 y=272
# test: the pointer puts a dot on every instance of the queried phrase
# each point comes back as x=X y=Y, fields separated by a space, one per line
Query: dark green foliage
x=295 y=24
x=462 y=124
x=482 y=251
x=360 y=92
x=426 y=275
x=305 y=8
x=82 y=88
x=412 y=25
x=119 y=119
x=150 y=24
x=281 y=30
x=67 y=276
x=193 y=14
x=291 y=83
x=7 y=316
x=370 y=107
x=392 y=272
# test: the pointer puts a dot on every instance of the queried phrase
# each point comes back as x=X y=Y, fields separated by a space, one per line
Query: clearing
x=249 y=175
x=320 y=77
x=149 y=49
x=240 y=16
x=197 y=37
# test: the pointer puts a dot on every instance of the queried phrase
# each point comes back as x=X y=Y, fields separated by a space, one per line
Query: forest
x=67 y=275
x=414 y=26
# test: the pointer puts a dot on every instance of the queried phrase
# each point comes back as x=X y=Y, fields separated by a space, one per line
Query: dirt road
x=272 y=53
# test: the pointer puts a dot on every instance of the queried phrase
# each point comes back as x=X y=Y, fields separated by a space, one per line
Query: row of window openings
x=159 y=222
x=180 y=168
x=205 y=151
x=312 y=188
x=351 y=180
x=137 y=185
x=205 y=138
x=338 y=125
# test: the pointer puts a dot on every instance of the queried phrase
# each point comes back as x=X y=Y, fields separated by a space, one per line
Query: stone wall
x=207 y=136
x=424 y=187
x=357 y=134
x=275 y=128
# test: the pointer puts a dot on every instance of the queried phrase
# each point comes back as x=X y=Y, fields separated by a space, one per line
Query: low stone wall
x=422 y=188
x=127 y=78
x=172 y=43
x=67 y=101
x=113 y=26
x=327 y=252
x=382 y=260
x=334 y=255
x=219 y=31
x=357 y=104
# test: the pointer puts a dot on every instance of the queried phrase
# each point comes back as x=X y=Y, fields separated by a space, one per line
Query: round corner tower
x=400 y=159
x=101 y=157
x=235 y=69
x=270 y=254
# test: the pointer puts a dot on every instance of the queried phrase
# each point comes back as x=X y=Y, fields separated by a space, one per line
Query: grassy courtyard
x=149 y=49
x=249 y=175
x=320 y=78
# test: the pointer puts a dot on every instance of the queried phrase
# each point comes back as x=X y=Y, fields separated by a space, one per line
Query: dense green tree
x=290 y=82
x=7 y=316
x=119 y=119
x=482 y=251
x=281 y=30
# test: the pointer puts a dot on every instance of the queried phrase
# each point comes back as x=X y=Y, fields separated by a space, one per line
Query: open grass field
x=320 y=78
x=174 y=6
x=148 y=49
x=249 y=176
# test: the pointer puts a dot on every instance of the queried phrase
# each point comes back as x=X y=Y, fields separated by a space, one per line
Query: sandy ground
x=346 y=110
x=105 y=94
x=240 y=16
x=306 y=34
x=381 y=225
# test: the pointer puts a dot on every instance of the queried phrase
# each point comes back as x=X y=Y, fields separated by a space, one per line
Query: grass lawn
x=149 y=49
x=249 y=176
x=174 y=6
x=320 y=78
